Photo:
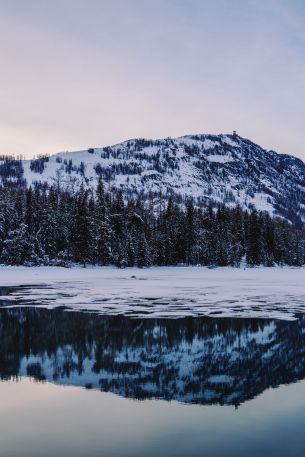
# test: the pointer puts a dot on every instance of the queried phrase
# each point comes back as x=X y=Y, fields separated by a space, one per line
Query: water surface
x=82 y=384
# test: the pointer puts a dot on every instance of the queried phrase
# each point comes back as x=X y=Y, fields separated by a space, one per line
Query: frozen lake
x=161 y=291
x=161 y=361
x=86 y=385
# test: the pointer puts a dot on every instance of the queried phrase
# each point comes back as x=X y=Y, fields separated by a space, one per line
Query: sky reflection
x=41 y=419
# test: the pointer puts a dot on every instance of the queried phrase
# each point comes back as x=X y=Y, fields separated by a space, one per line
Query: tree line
x=49 y=225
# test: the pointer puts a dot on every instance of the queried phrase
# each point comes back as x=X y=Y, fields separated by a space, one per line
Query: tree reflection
x=193 y=360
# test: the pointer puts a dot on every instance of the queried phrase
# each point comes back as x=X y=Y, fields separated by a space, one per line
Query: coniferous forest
x=48 y=225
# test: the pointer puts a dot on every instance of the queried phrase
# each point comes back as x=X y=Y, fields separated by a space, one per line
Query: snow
x=221 y=169
x=160 y=291
x=217 y=158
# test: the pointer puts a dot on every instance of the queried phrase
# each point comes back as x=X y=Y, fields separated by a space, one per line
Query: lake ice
x=160 y=291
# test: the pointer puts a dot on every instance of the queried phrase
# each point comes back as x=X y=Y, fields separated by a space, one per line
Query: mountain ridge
x=210 y=169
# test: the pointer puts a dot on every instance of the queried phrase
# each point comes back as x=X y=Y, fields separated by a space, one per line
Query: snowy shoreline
x=276 y=292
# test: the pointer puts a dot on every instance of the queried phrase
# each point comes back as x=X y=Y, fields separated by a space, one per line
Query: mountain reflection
x=192 y=360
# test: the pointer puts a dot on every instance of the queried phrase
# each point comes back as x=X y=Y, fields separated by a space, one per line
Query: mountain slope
x=211 y=169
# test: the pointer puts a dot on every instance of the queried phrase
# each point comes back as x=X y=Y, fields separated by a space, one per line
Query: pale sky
x=87 y=73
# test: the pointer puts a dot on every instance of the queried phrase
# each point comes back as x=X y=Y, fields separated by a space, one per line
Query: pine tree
x=82 y=232
x=51 y=225
x=103 y=228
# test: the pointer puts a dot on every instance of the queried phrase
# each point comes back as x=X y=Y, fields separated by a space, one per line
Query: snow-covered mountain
x=212 y=169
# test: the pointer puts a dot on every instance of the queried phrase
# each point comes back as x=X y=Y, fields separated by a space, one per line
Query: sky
x=76 y=74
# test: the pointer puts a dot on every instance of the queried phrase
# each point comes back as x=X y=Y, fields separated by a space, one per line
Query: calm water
x=79 y=384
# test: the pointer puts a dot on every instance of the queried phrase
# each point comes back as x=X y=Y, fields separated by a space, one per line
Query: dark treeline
x=53 y=226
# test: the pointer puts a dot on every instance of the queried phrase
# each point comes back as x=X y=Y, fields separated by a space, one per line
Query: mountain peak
x=211 y=169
